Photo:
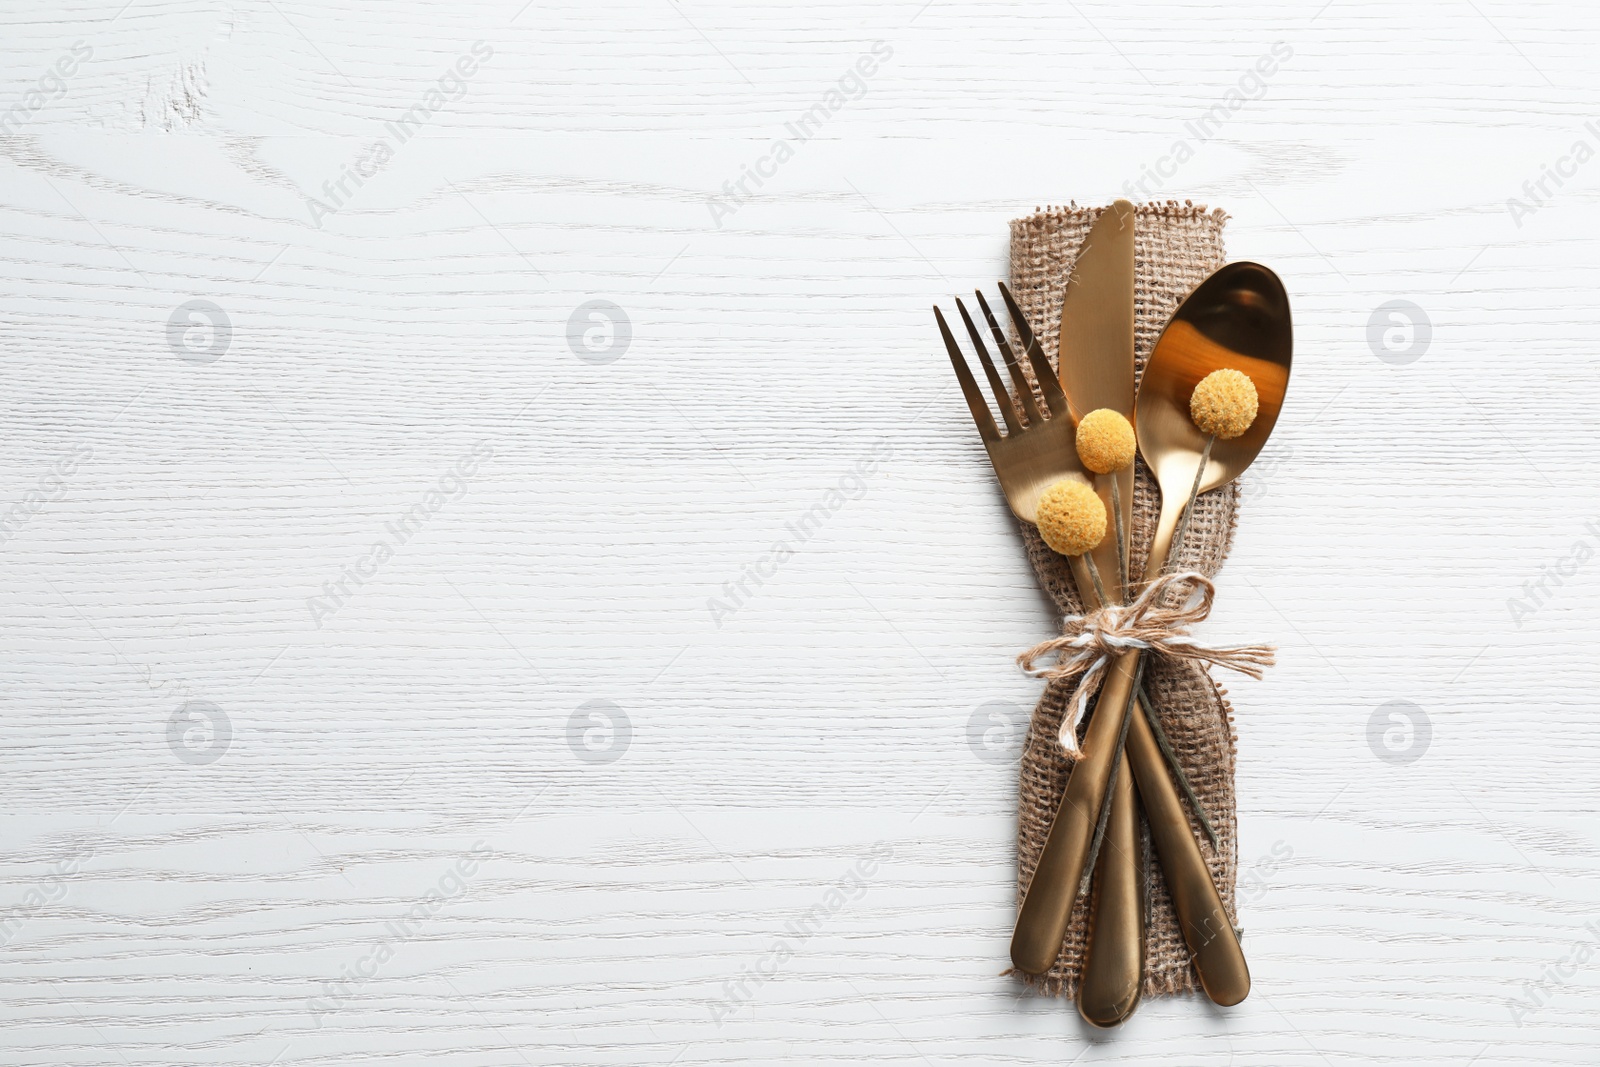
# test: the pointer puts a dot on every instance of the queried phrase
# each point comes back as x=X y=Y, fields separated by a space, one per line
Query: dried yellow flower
x=1072 y=518
x=1224 y=404
x=1105 y=441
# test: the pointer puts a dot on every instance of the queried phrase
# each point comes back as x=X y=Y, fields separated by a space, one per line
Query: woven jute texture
x=1175 y=248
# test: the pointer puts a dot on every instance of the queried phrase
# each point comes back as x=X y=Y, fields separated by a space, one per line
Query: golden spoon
x=1237 y=319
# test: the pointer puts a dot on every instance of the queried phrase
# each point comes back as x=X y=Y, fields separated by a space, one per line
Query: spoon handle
x=1213 y=945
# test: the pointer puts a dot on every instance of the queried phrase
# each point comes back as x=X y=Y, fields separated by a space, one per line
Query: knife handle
x=1113 y=970
x=1213 y=946
x=1047 y=904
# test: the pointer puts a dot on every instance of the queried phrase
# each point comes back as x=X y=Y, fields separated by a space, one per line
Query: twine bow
x=1089 y=642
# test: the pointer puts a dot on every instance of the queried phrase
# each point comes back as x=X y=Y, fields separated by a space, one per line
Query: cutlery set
x=1236 y=321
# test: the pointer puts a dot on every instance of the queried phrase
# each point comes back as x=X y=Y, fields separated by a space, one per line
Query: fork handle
x=1207 y=930
x=1047 y=904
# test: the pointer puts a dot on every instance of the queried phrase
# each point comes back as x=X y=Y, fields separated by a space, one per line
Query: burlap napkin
x=1175 y=248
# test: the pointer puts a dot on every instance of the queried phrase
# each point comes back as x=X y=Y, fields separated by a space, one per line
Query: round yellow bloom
x=1072 y=518
x=1105 y=441
x=1224 y=403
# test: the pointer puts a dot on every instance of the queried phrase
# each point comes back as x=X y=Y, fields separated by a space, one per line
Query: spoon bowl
x=1237 y=319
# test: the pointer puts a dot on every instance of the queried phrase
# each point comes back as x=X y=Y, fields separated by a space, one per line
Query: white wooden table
x=372 y=691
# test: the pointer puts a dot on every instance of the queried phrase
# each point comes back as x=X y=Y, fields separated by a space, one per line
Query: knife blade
x=1095 y=350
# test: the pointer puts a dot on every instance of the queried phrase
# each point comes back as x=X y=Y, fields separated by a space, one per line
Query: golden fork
x=1029 y=458
x=1038 y=448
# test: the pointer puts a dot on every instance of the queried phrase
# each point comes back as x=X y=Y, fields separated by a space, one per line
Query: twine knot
x=1157 y=621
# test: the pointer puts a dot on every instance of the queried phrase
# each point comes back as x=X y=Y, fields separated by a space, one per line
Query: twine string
x=1090 y=642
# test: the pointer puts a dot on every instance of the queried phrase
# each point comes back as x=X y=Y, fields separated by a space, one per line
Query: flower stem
x=1094 y=574
x=1172 y=762
x=1122 y=535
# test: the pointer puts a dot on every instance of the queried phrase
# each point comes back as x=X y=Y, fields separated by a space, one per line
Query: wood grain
x=802 y=849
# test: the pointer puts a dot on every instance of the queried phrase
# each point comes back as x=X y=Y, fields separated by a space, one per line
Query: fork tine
x=1024 y=390
x=969 y=388
x=1001 y=397
x=1048 y=383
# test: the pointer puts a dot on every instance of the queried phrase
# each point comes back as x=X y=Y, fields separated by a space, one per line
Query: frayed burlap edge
x=1175 y=247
